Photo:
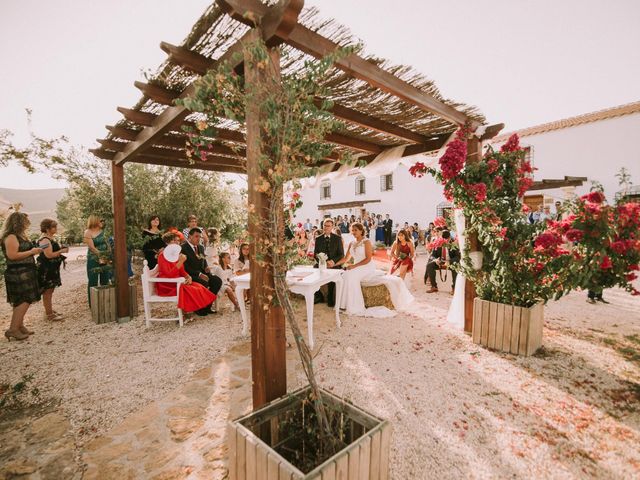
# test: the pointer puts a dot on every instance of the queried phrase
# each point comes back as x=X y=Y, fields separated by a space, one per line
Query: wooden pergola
x=382 y=106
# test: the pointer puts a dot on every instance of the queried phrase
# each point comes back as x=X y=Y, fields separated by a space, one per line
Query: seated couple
x=362 y=269
x=201 y=287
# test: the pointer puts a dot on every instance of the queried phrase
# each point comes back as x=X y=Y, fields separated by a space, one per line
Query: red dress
x=192 y=297
x=406 y=249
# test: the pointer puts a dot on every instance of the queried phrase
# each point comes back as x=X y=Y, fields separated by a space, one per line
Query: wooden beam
x=200 y=64
x=120 y=243
x=102 y=154
x=157 y=93
x=268 y=333
x=174 y=116
x=141 y=118
x=221 y=133
x=166 y=97
x=474 y=155
x=122 y=132
x=251 y=12
x=197 y=165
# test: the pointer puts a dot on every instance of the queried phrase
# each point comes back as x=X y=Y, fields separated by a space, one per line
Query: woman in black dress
x=20 y=277
x=153 y=244
x=49 y=262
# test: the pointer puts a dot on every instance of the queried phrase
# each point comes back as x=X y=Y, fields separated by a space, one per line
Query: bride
x=351 y=299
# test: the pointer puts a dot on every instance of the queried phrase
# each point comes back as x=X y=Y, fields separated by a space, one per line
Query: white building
x=594 y=145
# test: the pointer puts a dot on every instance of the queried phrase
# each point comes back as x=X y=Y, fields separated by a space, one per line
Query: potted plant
x=522 y=265
x=103 y=297
x=310 y=432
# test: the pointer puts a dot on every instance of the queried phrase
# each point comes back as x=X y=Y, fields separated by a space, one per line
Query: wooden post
x=474 y=154
x=120 y=242
x=268 y=340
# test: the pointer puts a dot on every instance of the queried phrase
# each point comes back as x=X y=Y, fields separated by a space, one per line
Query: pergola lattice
x=382 y=106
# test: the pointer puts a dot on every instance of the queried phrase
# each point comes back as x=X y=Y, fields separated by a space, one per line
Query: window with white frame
x=361 y=185
x=386 y=182
x=325 y=190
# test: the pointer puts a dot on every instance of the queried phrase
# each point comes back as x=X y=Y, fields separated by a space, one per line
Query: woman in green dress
x=98 y=272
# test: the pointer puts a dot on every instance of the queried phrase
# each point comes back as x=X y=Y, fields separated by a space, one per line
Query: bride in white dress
x=364 y=268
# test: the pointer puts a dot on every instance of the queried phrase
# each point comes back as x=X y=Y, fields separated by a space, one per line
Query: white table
x=306 y=286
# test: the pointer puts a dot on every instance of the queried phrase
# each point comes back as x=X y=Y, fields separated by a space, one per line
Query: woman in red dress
x=402 y=254
x=193 y=296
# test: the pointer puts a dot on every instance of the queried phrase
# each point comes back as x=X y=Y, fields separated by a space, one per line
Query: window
x=386 y=182
x=361 y=185
x=325 y=190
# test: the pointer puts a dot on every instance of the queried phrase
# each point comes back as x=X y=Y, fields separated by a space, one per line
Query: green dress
x=97 y=274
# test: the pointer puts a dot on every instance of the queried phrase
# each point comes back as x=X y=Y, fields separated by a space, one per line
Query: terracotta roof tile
x=613 y=112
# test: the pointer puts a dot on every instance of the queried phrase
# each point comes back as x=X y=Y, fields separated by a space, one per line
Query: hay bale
x=377 y=296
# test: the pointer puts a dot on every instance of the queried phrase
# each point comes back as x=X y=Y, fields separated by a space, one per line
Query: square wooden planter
x=103 y=303
x=507 y=328
x=255 y=441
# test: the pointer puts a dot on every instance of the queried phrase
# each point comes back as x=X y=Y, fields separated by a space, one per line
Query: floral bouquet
x=322 y=260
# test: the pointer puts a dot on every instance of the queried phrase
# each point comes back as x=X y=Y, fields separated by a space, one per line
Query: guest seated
x=241 y=265
x=402 y=254
x=193 y=296
x=196 y=263
x=224 y=271
x=440 y=259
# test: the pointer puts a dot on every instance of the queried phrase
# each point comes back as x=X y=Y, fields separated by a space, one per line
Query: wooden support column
x=268 y=340
x=120 y=242
x=474 y=154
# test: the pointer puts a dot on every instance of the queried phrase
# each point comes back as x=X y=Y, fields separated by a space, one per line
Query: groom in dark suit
x=330 y=244
x=387 y=228
x=196 y=264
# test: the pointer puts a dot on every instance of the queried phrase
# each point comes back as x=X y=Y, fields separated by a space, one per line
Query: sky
x=521 y=62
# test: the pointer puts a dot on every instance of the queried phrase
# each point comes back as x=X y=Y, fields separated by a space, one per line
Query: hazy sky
x=522 y=62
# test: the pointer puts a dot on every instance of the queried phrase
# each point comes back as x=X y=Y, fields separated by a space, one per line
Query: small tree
x=292 y=145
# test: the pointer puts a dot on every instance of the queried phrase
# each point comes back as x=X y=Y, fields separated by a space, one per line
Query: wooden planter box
x=103 y=303
x=254 y=438
x=507 y=328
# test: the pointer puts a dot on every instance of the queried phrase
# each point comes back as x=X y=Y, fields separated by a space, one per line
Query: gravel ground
x=101 y=373
x=458 y=410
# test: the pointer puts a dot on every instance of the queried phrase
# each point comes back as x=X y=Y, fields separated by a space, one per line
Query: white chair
x=149 y=280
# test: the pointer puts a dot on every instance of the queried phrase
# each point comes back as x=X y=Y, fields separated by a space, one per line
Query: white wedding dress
x=353 y=301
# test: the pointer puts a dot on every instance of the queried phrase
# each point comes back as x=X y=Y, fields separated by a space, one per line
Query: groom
x=331 y=245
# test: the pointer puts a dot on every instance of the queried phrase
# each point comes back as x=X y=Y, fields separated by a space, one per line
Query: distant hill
x=38 y=204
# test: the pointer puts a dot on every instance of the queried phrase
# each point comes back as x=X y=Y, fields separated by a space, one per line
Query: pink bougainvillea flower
x=606 y=263
x=523 y=185
x=593 y=197
x=452 y=162
x=440 y=222
x=479 y=191
x=498 y=182
x=574 y=235
x=492 y=165
x=418 y=169
x=512 y=145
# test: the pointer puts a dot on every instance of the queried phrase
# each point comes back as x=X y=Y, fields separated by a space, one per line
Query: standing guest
x=429 y=233
x=192 y=222
x=213 y=249
x=49 y=262
x=224 y=271
x=558 y=215
x=387 y=227
x=379 y=229
x=20 y=276
x=302 y=241
x=440 y=258
x=331 y=245
x=546 y=214
x=402 y=254
x=344 y=225
x=194 y=297
x=352 y=220
x=241 y=265
x=196 y=264
x=97 y=254
x=317 y=224
x=152 y=237
x=534 y=217
x=307 y=225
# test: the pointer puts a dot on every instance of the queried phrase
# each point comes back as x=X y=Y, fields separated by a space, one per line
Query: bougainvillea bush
x=524 y=264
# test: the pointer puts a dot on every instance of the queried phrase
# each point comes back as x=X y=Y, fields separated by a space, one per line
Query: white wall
x=595 y=150
x=411 y=200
